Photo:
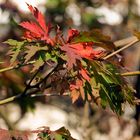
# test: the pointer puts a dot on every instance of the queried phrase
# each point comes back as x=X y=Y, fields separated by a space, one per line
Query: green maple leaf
x=15 y=49
x=39 y=62
x=32 y=50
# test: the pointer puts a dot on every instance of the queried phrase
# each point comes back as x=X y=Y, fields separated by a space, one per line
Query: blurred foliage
x=44 y=134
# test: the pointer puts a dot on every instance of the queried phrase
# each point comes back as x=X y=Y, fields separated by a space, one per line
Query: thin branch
x=28 y=86
x=49 y=95
x=46 y=77
x=7 y=100
x=125 y=41
x=30 y=94
x=13 y=98
x=16 y=67
x=133 y=73
x=121 y=49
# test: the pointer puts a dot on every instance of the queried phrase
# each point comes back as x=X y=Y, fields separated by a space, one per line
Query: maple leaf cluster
x=74 y=51
x=76 y=62
x=39 y=31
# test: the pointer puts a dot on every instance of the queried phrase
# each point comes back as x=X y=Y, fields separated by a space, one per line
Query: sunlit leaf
x=39 y=62
x=15 y=48
x=84 y=74
x=97 y=37
x=39 y=30
x=32 y=50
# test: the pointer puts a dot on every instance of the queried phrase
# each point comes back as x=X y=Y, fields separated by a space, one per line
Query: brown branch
x=13 y=98
x=45 y=78
x=28 y=86
x=121 y=49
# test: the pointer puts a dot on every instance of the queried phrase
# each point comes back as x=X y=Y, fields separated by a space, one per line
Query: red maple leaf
x=37 y=30
x=77 y=51
x=71 y=34
x=84 y=73
x=71 y=55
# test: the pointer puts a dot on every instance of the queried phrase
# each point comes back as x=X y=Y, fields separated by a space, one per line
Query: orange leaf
x=74 y=95
x=71 y=34
x=84 y=74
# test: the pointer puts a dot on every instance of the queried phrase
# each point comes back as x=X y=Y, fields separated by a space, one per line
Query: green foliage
x=15 y=50
x=112 y=88
x=32 y=50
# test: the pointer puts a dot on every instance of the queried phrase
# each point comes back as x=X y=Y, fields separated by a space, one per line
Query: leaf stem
x=121 y=49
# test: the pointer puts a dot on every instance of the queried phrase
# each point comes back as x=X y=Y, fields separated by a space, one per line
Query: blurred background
x=116 y=18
